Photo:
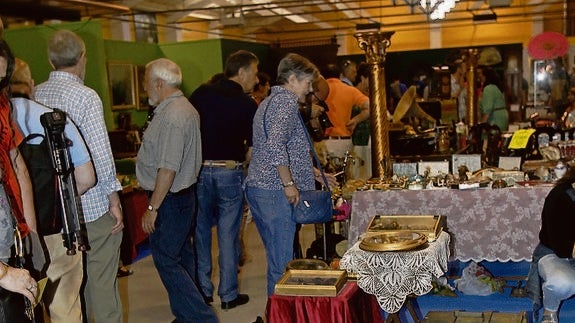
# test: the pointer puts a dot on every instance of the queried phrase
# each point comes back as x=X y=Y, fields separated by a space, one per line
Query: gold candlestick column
x=472 y=114
x=375 y=43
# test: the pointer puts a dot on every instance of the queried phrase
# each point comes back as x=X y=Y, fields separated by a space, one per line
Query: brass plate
x=393 y=241
x=311 y=282
x=430 y=225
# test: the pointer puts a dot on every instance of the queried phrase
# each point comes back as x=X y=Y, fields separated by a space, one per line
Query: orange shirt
x=340 y=100
x=10 y=138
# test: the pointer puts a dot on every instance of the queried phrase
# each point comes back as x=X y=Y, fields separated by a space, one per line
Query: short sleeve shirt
x=171 y=141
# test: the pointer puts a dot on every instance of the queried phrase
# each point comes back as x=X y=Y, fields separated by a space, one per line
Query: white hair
x=166 y=70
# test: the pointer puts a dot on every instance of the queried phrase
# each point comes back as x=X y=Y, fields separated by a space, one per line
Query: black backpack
x=44 y=184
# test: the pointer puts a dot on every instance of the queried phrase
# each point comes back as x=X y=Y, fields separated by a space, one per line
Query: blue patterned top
x=282 y=143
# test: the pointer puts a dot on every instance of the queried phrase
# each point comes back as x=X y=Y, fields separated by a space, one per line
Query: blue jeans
x=273 y=217
x=174 y=257
x=220 y=203
x=558 y=275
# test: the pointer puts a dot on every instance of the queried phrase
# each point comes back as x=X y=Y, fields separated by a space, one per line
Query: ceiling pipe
x=104 y=5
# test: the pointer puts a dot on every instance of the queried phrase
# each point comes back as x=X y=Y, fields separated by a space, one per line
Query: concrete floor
x=145 y=299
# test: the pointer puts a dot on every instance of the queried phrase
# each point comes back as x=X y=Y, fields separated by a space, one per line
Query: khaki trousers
x=103 y=303
x=62 y=293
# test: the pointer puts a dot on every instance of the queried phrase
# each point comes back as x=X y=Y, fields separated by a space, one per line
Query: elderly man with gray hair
x=167 y=167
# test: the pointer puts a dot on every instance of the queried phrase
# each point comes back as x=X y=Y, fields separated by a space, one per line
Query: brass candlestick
x=472 y=111
x=375 y=43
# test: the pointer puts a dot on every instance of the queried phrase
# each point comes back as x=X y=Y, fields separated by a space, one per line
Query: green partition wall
x=199 y=60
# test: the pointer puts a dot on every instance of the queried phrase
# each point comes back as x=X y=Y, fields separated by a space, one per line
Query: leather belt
x=184 y=191
x=339 y=137
x=227 y=164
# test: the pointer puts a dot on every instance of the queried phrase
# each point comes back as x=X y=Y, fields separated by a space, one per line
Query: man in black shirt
x=226 y=112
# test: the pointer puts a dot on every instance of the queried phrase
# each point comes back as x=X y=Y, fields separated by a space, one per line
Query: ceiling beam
x=38 y=12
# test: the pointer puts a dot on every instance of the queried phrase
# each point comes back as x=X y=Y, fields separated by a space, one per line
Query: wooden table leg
x=409 y=304
x=395 y=318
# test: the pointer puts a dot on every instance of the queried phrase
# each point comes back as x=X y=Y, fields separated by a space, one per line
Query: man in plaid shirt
x=65 y=90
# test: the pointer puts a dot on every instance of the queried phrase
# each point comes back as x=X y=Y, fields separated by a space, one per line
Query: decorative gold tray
x=311 y=282
x=430 y=225
x=393 y=241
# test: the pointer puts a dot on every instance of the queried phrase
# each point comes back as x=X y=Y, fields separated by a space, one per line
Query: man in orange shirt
x=341 y=99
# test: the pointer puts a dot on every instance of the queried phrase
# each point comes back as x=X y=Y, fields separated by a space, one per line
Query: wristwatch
x=288 y=184
x=152 y=208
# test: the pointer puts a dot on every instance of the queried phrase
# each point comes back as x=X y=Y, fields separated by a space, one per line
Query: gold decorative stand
x=375 y=43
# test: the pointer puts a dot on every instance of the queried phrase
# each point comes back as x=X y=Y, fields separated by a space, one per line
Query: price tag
x=520 y=138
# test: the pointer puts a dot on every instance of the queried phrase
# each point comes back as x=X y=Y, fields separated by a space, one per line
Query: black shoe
x=240 y=300
x=123 y=272
x=209 y=300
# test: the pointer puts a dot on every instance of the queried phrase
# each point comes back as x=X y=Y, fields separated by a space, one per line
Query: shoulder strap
x=311 y=147
x=265 y=113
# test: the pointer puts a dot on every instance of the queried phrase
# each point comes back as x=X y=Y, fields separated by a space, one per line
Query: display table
x=392 y=276
x=485 y=224
x=351 y=305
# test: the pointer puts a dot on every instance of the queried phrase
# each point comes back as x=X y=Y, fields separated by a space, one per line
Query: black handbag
x=15 y=307
x=12 y=307
x=315 y=206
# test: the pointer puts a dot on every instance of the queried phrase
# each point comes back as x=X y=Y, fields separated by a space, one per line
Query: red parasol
x=548 y=45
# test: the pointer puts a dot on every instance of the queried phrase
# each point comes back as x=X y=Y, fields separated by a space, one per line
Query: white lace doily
x=391 y=276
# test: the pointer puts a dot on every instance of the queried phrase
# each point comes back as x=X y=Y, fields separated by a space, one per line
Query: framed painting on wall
x=142 y=100
x=122 y=85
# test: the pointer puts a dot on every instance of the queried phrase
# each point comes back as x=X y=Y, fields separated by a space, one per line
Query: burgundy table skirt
x=351 y=305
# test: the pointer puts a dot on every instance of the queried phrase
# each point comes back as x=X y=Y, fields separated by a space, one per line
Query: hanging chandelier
x=434 y=9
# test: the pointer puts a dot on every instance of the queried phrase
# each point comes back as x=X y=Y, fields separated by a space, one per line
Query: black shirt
x=558 y=221
x=226 y=116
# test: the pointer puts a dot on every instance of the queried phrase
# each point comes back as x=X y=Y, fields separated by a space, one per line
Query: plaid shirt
x=67 y=92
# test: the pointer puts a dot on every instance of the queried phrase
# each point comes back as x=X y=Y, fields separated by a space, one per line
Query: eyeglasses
x=346 y=63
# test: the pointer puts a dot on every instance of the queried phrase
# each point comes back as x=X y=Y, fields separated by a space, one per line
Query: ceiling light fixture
x=434 y=9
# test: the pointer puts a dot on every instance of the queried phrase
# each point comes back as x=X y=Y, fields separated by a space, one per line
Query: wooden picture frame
x=142 y=96
x=122 y=85
x=311 y=282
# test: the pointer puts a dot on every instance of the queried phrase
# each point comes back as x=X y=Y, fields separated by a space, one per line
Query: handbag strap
x=318 y=164
x=316 y=158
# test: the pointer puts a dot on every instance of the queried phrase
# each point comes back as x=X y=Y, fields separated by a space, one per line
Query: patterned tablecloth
x=485 y=224
x=392 y=276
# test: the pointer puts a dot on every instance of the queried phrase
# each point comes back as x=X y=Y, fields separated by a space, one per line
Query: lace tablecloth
x=485 y=224
x=391 y=276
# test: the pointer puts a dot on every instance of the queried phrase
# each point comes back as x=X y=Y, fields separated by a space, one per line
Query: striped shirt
x=67 y=92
